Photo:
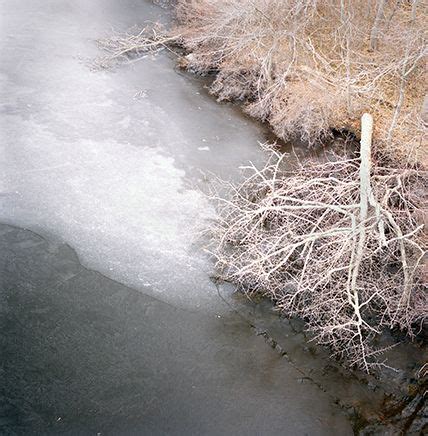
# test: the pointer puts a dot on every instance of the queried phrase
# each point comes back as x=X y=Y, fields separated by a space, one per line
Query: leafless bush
x=307 y=66
x=339 y=244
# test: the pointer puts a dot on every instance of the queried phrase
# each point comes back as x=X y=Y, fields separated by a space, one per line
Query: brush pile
x=339 y=244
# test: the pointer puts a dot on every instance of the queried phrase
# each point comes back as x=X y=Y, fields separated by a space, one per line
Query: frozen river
x=110 y=322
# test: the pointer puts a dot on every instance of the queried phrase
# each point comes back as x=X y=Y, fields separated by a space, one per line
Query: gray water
x=110 y=323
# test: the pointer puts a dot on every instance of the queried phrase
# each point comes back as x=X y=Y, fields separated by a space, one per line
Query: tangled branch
x=134 y=44
x=339 y=244
x=309 y=66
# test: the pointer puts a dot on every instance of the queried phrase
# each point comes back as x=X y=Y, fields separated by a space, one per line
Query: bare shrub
x=307 y=66
x=339 y=244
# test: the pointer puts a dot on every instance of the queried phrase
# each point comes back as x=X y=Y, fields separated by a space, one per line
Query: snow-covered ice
x=116 y=177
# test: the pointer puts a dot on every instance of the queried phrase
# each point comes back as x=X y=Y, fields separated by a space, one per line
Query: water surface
x=110 y=323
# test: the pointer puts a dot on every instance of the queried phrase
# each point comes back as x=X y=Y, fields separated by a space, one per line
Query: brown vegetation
x=310 y=66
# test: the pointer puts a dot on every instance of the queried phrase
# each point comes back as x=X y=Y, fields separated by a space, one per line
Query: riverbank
x=311 y=85
x=310 y=69
x=110 y=322
x=251 y=263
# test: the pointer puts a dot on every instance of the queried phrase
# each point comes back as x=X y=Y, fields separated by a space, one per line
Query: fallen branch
x=339 y=244
x=134 y=44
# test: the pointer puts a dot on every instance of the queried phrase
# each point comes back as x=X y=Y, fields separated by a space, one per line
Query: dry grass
x=309 y=66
